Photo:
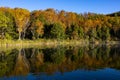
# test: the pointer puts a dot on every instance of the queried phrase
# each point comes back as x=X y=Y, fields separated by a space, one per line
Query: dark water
x=61 y=63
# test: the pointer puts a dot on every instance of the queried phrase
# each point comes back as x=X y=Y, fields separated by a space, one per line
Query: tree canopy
x=20 y=24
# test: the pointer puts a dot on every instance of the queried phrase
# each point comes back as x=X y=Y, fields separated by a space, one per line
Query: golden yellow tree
x=21 y=18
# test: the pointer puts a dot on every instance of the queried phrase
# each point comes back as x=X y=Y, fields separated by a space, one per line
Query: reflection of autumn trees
x=75 y=57
x=7 y=61
x=21 y=65
x=50 y=60
x=3 y=63
x=36 y=60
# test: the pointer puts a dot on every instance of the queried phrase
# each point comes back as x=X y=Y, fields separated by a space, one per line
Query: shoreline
x=41 y=42
x=50 y=42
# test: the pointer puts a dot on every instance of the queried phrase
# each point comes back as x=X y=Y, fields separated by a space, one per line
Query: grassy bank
x=41 y=42
x=50 y=42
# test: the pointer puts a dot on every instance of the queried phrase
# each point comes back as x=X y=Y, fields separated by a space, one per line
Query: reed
x=40 y=42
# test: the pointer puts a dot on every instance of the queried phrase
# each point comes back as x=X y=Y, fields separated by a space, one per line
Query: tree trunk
x=25 y=26
x=19 y=35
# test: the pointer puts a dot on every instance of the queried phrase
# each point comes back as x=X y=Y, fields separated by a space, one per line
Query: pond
x=61 y=63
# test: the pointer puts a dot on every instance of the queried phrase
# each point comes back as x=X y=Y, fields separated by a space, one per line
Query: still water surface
x=61 y=63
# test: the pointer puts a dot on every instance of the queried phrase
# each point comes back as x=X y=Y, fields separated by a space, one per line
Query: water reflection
x=48 y=61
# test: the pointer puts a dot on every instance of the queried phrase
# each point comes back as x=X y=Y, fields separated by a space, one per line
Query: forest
x=21 y=24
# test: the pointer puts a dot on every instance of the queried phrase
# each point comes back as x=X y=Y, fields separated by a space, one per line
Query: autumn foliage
x=20 y=23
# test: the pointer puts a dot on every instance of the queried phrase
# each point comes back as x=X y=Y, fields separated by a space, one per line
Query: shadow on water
x=62 y=62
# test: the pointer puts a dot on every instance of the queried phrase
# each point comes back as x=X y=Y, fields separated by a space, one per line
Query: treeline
x=22 y=24
x=114 y=14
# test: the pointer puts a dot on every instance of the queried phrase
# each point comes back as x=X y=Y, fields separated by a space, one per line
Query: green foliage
x=72 y=31
x=57 y=31
x=8 y=36
x=80 y=32
x=105 y=33
x=68 y=32
x=92 y=34
x=11 y=30
x=99 y=32
x=4 y=20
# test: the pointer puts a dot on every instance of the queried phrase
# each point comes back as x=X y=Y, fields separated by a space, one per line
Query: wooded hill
x=20 y=24
x=114 y=14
